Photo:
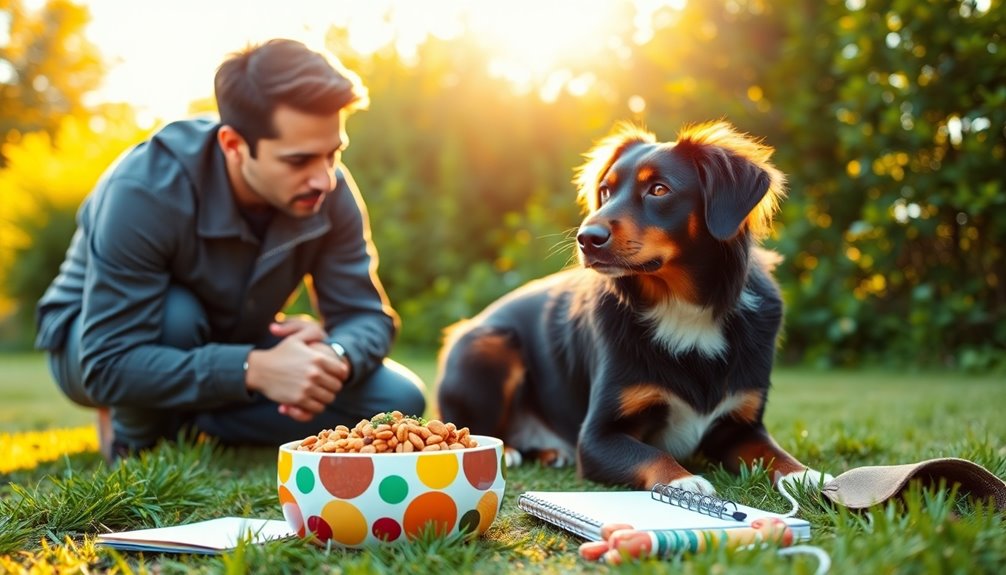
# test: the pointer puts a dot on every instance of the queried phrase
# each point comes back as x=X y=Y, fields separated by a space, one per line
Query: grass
x=51 y=511
x=31 y=400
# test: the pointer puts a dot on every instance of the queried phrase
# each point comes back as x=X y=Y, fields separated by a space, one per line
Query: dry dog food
x=390 y=433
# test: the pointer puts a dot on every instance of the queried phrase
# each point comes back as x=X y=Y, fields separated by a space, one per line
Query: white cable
x=783 y=486
x=823 y=559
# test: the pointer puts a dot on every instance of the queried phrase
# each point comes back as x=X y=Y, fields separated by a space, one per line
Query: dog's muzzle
x=593 y=239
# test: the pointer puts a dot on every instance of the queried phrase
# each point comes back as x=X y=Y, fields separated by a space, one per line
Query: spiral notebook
x=662 y=508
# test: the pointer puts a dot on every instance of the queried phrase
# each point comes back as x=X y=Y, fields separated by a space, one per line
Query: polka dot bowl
x=360 y=499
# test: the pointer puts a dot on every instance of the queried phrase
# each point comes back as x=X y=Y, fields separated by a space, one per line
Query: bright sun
x=535 y=44
x=532 y=39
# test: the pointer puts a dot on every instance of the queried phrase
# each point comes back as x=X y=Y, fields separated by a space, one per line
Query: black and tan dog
x=662 y=344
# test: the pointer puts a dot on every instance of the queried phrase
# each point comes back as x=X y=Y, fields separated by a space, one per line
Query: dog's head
x=667 y=212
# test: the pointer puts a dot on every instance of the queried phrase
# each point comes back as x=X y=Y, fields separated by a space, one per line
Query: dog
x=661 y=344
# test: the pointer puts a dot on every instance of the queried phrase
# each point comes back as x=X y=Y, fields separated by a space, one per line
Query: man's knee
x=184 y=325
x=64 y=366
x=400 y=387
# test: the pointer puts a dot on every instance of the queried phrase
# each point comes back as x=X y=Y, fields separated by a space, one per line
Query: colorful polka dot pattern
x=354 y=500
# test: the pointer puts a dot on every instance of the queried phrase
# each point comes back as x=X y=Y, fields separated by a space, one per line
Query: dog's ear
x=739 y=185
x=731 y=187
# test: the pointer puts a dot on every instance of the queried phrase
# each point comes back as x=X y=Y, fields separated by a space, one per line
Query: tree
x=44 y=182
x=47 y=66
x=897 y=221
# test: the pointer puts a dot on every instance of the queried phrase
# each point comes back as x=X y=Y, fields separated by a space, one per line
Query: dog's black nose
x=593 y=237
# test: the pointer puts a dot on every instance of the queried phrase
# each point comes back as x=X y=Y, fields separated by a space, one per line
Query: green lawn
x=833 y=421
x=31 y=399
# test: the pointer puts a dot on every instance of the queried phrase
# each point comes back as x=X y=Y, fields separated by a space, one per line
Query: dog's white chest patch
x=686 y=427
x=681 y=326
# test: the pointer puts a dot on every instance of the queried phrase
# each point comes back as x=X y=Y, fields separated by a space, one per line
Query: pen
x=620 y=541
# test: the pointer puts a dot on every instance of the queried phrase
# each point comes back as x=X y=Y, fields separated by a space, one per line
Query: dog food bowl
x=357 y=500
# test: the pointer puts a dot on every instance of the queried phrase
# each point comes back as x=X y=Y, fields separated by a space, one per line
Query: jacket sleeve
x=131 y=237
x=351 y=299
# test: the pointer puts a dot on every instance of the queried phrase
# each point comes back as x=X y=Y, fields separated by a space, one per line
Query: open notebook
x=586 y=512
x=208 y=537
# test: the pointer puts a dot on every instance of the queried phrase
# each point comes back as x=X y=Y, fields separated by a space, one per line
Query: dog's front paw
x=554 y=458
x=808 y=478
x=694 y=483
x=512 y=457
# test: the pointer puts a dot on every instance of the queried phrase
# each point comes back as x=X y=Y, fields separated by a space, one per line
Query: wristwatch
x=338 y=349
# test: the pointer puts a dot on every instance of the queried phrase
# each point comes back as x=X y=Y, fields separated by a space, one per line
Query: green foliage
x=45 y=180
x=895 y=226
x=888 y=120
x=457 y=193
x=34 y=267
x=46 y=67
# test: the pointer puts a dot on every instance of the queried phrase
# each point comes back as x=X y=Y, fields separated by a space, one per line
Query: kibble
x=390 y=433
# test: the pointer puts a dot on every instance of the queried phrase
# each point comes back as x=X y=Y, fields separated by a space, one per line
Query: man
x=165 y=308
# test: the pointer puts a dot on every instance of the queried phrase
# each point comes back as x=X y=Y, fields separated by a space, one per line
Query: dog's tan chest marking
x=686 y=427
x=749 y=407
x=636 y=398
x=681 y=327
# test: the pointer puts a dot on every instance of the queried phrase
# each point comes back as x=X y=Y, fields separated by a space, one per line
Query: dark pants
x=391 y=386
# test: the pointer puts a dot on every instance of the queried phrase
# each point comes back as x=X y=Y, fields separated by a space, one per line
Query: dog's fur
x=662 y=343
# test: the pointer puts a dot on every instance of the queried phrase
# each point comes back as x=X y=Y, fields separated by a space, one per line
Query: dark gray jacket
x=165 y=214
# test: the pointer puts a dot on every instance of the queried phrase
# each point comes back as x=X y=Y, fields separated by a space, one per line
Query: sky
x=163 y=55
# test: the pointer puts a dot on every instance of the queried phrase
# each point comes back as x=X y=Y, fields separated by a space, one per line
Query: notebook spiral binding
x=556 y=514
x=694 y=501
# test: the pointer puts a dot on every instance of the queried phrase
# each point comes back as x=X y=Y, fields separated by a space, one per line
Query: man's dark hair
x=251 y=84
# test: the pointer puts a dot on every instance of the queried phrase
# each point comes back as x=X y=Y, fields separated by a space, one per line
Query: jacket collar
x=218 y=213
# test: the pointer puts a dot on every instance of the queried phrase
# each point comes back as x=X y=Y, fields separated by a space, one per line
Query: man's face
x=295 y=171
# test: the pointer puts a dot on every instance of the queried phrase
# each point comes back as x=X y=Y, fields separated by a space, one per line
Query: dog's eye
x=603 y=193
x=659 y=190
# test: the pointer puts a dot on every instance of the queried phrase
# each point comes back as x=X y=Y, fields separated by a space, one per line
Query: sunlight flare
x=544 y=46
